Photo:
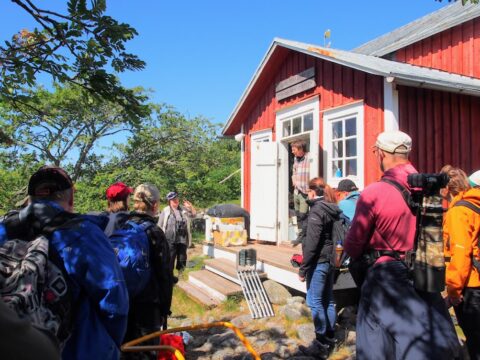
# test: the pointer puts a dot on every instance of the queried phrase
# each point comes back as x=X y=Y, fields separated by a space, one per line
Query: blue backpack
x=131 y=245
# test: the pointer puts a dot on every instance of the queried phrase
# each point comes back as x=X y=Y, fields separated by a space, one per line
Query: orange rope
x=132 y=346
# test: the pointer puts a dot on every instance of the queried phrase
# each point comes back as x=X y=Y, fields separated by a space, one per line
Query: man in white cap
x=394 y=319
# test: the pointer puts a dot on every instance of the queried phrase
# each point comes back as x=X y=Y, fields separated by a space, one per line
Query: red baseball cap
x=118 y=191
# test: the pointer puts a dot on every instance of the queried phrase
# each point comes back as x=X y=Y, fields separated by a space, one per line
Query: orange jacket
x=460 y=233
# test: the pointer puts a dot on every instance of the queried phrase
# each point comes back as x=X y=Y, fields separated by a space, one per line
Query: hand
x=187 y=204
x=301 y=278
x=455 y=301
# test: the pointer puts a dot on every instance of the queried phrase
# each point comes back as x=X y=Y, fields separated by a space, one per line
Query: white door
x=263 y=195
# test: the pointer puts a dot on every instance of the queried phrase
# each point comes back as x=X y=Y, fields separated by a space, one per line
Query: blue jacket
x=348 y=204
x=98 y=289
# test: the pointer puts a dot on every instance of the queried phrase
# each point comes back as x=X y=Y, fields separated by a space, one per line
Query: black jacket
x=317 y=246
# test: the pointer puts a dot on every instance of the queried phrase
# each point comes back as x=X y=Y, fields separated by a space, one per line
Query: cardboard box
x=230 y=237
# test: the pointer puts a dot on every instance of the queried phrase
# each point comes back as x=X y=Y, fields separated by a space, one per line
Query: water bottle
x=338 y=254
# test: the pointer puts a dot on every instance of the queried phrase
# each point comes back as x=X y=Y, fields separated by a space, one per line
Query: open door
x=263 y=196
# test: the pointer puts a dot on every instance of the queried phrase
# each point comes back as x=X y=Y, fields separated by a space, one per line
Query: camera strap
x=407 y=196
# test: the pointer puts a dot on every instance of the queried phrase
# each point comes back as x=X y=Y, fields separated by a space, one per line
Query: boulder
x=277 y=293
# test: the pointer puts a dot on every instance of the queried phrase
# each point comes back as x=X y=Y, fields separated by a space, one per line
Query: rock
x=283 y=351
x=306 y=332
x=223 y=354
x=270 y=356
x=351 y=338
x=292 y=313
x=206 y=347
x=296 y=299
x=278 y=294
x=241 y=321
x=186 y=322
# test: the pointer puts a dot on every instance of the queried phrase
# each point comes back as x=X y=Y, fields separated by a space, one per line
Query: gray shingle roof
x=422 y=28
x=401 y=73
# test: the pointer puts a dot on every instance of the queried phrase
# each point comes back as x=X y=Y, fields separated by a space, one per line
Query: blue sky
x=201 y=54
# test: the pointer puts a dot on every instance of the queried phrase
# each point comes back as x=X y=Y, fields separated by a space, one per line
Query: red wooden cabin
x=423 y=78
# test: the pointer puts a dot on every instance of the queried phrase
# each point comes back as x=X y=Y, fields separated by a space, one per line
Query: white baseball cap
x=474 y=179
x=394 y=142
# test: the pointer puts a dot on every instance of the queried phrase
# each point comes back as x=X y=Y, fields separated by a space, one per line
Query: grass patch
x=183 y=305
x=198 y=237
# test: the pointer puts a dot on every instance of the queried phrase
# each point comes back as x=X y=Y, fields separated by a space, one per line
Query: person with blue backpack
x=82 y=303
x=144 y=257
x=347 y=196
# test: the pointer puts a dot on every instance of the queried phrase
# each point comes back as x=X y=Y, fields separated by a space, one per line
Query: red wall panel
x=443 y=126
x=336 y=86
x=455 y=50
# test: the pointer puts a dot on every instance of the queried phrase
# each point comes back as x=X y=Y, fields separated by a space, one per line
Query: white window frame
x=344 y=112
x=262 y=135
x=309 y=105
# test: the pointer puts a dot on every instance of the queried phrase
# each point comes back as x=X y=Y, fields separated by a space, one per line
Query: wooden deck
x=274 y=261
x=272 y=254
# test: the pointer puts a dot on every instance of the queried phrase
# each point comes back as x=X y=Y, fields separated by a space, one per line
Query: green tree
x=76 y=46
x=186 y=155
x=64 y=132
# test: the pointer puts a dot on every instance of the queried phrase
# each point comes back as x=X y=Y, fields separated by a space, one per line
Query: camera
x=181 y=228
x=430 y=184
x=427 y=259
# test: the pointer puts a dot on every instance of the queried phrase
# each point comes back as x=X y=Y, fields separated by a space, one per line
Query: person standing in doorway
x=300 y=179
x=173 y=220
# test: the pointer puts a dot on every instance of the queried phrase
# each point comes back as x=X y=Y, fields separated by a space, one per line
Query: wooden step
x=215 y=285
x=226 y=269
x=198 y=294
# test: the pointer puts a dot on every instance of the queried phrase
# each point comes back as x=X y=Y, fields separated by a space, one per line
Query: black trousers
x=468 y=316
x=178 y=252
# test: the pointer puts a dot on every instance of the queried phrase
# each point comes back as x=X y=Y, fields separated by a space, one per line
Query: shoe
x=316 y=349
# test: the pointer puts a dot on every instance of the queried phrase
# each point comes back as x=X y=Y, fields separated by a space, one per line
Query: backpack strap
x=475 y=209
x=407 y=196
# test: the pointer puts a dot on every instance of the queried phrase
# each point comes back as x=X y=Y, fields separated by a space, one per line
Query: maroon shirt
x=382 y=213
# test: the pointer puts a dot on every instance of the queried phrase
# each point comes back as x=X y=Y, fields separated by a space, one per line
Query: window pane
x=308 y=122
x=337 y=149
x=286 y=128
x=337 y=168
x=351 y=147
x=297 y=125
x=337 y=129
x=351 y=127
x=351 y=167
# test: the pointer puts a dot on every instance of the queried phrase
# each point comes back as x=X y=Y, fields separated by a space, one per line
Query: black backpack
x=160 y=288
x=33 y=279
x=475 y=209
x=340 y=228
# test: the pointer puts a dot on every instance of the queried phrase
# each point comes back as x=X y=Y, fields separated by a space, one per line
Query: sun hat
x=48 y=180
x=118 y=191
x=347 y=185
x=171 y=195
x=394 y=142
x=146 y=193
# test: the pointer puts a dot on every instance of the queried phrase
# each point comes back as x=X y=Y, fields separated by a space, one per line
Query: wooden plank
x=295 y=79
x=216 y=282
x=296 y=89
x=197 y=294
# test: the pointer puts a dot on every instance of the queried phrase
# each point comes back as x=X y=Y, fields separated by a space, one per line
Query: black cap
x=48 y=180
x=346 y=185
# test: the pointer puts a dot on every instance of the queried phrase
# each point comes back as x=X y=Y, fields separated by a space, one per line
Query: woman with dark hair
x=317 y=269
